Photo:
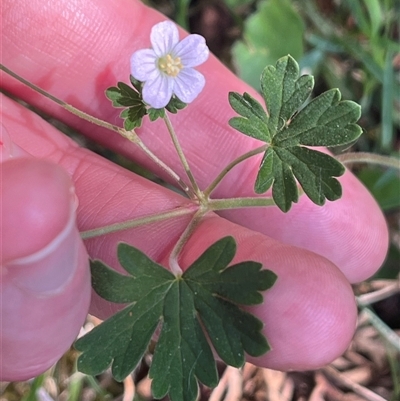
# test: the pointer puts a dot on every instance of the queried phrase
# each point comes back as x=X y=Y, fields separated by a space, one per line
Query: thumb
x=44 y=272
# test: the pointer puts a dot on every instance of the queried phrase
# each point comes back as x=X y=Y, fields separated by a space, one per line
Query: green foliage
x=362 y=34
x=384 y=185
x=237 y=3
x=208 y=294
x=154 y=114
x=124 y=96
x=325 y=121
x=275 y=30
x=350 y=45
x=175 y=105
x=130 y=98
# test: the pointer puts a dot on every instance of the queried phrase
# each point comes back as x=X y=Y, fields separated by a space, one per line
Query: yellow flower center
x=169 y=65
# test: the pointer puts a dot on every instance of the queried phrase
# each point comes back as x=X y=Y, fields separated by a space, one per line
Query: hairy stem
x=140 y=221
x=61 y=103
x=173 y=258
x=365 y=157
x=230 y=166
x=239 y=203
x=167 y=169
x=182 y=157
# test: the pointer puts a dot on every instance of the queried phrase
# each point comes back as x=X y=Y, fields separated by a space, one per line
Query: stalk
x=182 y=157
x=174 y=257
x=370 y=158
x=230 y=166
x=140 y=221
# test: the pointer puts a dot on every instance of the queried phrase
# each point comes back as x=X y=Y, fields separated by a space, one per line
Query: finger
x=309 y=315
x=306 y=327
x=44 y=269
x=351 y=232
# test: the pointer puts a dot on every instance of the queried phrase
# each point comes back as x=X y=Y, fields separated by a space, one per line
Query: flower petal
x=158 y=92
x=188 y=84
x=192 y=50
x=143 y=64
x=164 y=36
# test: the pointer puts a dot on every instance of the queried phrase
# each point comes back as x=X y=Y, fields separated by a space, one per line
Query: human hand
x=309 y=314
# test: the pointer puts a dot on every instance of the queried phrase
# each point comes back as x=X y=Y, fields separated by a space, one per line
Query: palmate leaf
x=288 y=128
x=209 y=294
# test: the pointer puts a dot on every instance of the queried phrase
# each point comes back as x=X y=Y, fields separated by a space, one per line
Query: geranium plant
x=194 y=312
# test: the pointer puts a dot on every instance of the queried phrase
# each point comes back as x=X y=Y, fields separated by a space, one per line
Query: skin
x=75 y=50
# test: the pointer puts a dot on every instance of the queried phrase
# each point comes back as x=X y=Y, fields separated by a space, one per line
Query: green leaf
x=133 y=117
x=175 y=105
x=205 y=302
x=325 y=121
x=384 y=186
x=254 y=121
x=284 y=91
x=136 y=84
x=154 y=114
x=124 y=96
x=288 y=127
x=273 y=31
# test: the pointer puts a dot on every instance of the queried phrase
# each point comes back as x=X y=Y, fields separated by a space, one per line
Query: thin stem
x=182 y=157
x=388 y=334
x=380 y=294
x=167 y=169
x=213 y=205
x=365 y=157
x=239 y=203
x=61 y=103
x=97 y=232
x=173 y=258
x=230 y=166
x=130 y=135
x=347 y=382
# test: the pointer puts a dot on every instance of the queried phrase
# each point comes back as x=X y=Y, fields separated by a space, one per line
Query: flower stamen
x=169 y=65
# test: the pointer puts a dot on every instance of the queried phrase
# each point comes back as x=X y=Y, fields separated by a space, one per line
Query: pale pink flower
x=167 y=68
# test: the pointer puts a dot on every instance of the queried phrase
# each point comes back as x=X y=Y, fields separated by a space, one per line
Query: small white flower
x=167 y=68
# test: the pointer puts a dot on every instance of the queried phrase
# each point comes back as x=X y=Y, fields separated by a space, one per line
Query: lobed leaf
x=183 y=354
x=154 y=114
x=284 y=91
x=133 y=116
x=325 y=121
x=208 y=294
x=130 y=99
x=287 y=128
x=111 y=285
x=174 y=105
x=122 y=339
x=254 y=122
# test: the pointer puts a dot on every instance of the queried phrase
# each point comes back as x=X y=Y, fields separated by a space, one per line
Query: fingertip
x=309 y=314
x=39 y=327
x=45 y=276
x=364 y=235
x=37 y=200
x=350 y=232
